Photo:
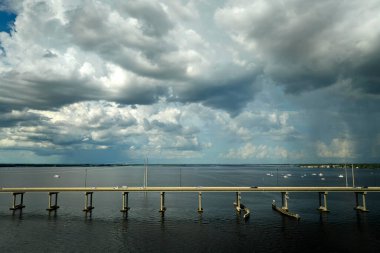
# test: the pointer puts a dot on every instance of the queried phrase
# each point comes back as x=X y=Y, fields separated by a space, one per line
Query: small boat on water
x=56 y=176
x=285 y=212
x=341 y=176
x=320 y=174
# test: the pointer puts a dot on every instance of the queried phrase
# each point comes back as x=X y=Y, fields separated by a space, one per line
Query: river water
x=182 y=229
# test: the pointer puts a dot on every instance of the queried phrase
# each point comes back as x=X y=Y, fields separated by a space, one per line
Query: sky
x=246 y=81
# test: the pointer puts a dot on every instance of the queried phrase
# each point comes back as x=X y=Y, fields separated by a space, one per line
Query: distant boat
x=320 y=174
x=56 y=176
x=341 y=176
x=323 y=179
x=314 y=174
x=285 y=176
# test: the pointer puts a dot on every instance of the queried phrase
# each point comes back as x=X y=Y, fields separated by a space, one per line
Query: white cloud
x=101 y=126
x=251 y=124
x=261 y=152
x=338 y=148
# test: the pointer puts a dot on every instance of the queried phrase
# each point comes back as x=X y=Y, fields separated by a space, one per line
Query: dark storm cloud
x=21 y=118
x=228 y=93
x=132 y=38
x=154 y=20
x=20 y=90
x=25 y=90
x=307 y=45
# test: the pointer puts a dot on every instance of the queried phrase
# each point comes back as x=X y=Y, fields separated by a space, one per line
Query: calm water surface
x=218 y=229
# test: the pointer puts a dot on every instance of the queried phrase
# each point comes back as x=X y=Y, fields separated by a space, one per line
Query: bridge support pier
x=55 y=206
x=238 y=202
x=125 y=206
x=162 y=203
x=285 y=197
x=323 y=208
x=200 y=209
x=20 y=205
x=88 y=202
x=359 y=207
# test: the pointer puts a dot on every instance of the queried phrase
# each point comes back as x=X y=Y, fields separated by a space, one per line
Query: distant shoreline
x=305 y=165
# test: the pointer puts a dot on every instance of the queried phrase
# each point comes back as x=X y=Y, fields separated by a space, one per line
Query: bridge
x=359 y=193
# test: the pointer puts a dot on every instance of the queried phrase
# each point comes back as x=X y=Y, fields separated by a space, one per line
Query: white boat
x=320 y=174
x=285 y=176
x=56 y=176
x=341 y=176
x=314 y=174
x=323 y=179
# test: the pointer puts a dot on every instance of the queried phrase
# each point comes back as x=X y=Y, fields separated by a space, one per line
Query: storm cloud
x=259 y=81
x=306 y=45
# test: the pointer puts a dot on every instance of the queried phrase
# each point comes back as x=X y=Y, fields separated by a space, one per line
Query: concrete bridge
x=359 y=193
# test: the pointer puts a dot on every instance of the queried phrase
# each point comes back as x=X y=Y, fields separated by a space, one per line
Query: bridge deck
x=191 y=189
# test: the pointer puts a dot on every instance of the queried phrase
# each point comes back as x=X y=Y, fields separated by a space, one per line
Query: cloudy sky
x=250 y=81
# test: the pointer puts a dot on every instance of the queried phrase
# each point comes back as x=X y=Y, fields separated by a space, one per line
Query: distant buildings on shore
x=328 y=166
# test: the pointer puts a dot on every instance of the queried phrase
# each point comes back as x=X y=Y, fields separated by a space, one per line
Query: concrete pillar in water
x=162 y=203
x=323 y=208
x=200 y=209
x=55 y=206
x=238 y=202
x=285 y=197
x=125 y=206
x=88 y=202
x=21 y=204
x=362 y=207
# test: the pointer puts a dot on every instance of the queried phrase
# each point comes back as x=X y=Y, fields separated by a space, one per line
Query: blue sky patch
x=6 y=21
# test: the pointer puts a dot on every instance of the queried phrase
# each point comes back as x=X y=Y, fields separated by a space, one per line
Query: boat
x=56 y=176
x=320 y=174
x=341 y=176
x=284 y=211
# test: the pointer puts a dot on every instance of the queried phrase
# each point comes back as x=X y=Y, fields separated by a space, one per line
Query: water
x=218 y=229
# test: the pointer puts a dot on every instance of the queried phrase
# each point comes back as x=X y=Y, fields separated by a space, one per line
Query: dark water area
x=182 y=229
